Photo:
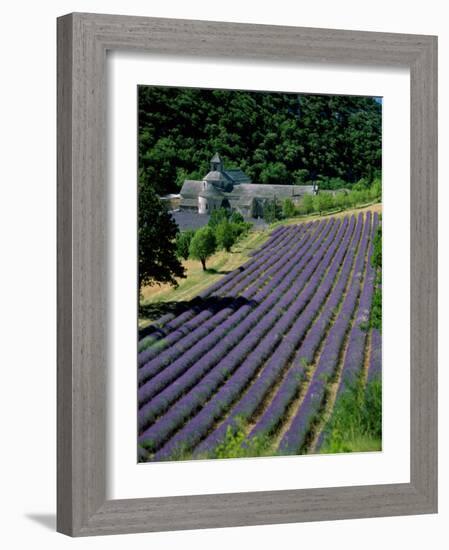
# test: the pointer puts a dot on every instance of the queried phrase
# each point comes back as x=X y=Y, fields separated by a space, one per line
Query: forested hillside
x=273 y=137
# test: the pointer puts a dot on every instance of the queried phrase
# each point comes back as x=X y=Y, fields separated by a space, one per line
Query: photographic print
x=260 y=274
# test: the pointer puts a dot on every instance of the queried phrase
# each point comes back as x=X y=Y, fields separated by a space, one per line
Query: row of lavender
x=232 y=284
x=264 y=340
x=194 y=332
x=288 y=309
x=242 y=289
x=224 y=348
x=282 y=356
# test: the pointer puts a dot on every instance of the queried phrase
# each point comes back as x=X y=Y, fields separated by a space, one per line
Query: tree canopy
x=158 y=262
x=225 y=235
x=273 y=137
x=203 y=245
x=183 y=240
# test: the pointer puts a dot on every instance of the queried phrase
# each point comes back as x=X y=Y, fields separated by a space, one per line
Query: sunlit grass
x=356 y=423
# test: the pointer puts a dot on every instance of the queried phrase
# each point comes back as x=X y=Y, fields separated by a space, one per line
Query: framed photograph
x=247 y=274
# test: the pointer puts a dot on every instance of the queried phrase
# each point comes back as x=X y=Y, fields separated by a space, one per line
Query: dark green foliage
x=288 y=208
x=301 y=176
x=275 y=173
x=218 y=216
x=183 y=240
x=228 y=227
x=331 y=183
x=241 y=229
x=272 y=210
x=158 y=262
x=236 y=217
x=225 y=235
x=376 y=309
x=356 y=423
x=203 y=245
x=273 y=137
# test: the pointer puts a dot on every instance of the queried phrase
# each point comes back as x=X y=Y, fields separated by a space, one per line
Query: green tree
x=353 y=198
x=376 y=190
x=183 y=240
x=274 y=173
x=241 y=229
x=218 y=216
x=288 y=208
x=341 y=200
x=323 y=202
x=203 y=245
x=157 y=230
x=236 y=217
x=225 y=235
x=307 y=204
x=301 y=176
x=272 y=210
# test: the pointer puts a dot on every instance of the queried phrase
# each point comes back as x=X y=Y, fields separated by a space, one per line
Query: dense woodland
x=273 y=137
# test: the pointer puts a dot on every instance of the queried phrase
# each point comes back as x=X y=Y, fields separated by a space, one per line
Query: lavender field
x=258 y=362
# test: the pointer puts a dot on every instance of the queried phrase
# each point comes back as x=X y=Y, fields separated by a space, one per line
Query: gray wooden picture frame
x=83 y=40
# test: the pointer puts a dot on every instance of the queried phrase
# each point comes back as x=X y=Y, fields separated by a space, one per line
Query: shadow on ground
x=214 y=304
x=213 y=271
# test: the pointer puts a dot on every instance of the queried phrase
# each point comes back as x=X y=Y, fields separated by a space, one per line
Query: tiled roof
x=237 y=176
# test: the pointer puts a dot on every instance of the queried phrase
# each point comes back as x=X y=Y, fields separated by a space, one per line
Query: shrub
x=307 y=204
x=376 y=190
x=331 y=183
x=376 y=259
x=288 y=208
x=323 y=202
x=353 y=198
x=376 y=310
x=376 y=262
x=356 y=423
x=341 y=200
x=236 y=217
x=272 y=211
x=362 y=184
x=241 y=229
x=237 y=445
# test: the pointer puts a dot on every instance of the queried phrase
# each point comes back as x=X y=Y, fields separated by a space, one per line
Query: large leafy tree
x=158 y=262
